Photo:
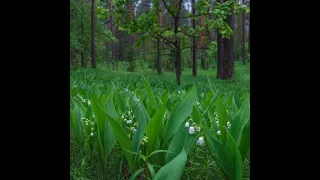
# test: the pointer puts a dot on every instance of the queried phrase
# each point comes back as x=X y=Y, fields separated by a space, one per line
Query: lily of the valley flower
x=129 y=122
x=198 y=128
x=218 y=132
x=91 y=134
x=200 y=141
x=228 y=124
x=191 y=130
x=187 y=124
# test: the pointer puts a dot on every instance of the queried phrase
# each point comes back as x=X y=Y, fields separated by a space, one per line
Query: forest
x=160 y=89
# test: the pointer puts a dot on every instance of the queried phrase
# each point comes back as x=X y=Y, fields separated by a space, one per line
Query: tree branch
x=178 y=13
x=164 y=38
x=170 y=12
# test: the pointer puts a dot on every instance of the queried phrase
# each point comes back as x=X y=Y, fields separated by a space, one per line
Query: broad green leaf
x=180 y=113
x=237 y=100
x=235 y=157
x=78 y=105
x=111 y=109
x=105 y=132
x=151 y=97
x=123 y=139
x=142 y=117
x=196 y=115
x=109 y=95
x=208 y=98
x=218 y=152
x=245 y=141
x=118 y=100
x=240 y=120
x=181 y=140
x=165 y=95
x=77 y=124
x=153 y=128
x=174 y=169
x=221 y=110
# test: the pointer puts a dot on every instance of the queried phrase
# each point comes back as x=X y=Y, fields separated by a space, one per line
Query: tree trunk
x=117 y=54
x=93 y=52
x=243 y=39
x=158 y=58
x=132 y=16
x=81 y=52
x=202 y=45
x=239 y=39
x=227 y=65
x=220 y=55
x=158 y=42
x=249 y=33
x=193 y=48
x=82 y=59
x=177 y=52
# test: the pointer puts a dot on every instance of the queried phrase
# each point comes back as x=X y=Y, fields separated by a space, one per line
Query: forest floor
x=84 y=163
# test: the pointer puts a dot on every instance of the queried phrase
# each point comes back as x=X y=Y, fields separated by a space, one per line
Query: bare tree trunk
x=177 y=52
x=193 y=48
x=93 y=52
x=158 y=41
x=202 y=45
x=243 y=38
x=131 y=9
x=226 y=65
x=117 y=54
x=249 y=33
x=107 y=44
x=220 y=54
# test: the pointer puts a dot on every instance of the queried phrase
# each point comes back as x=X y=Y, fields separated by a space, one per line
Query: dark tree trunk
x=93 y=52
x=82 y=58
x=85 y=52
x=158 y=58
x=227 y=65
x=193 y=48
x=177 y=52
x=220 y=54
x=131 y=9
x=158 y=42
x=243 y=39
x=107 y=44
x=81 y=52
x=117 y=54
x=238 y=36
x=203 y=45
x=249 y=35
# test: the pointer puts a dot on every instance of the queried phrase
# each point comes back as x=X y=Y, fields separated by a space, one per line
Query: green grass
x=85 y=163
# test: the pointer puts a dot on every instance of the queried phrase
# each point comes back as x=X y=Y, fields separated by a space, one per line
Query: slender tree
x=203 y=44
x=193 y=47
x=243 y=38
x=158 y=39
x=93 y=52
